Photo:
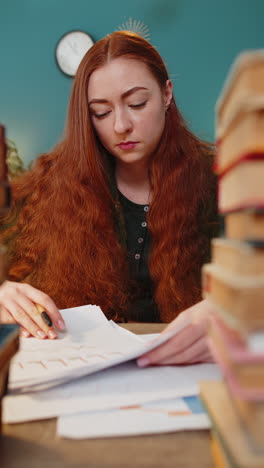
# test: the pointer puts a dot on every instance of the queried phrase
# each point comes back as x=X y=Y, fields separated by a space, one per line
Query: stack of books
x=234 y=281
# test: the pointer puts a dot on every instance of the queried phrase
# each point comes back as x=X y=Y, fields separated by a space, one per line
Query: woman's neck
x=133 y=182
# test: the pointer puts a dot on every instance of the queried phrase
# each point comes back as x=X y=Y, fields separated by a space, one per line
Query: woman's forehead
x=119 y=75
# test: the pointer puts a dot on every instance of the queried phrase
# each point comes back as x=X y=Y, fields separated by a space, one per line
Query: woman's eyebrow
x=124 y=95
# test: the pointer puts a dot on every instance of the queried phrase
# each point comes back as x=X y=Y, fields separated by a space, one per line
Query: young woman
x=121 y=212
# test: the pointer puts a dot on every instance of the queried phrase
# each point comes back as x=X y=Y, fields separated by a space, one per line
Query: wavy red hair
x=66 y=242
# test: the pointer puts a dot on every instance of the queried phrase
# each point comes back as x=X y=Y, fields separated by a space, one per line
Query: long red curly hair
x=65 y=239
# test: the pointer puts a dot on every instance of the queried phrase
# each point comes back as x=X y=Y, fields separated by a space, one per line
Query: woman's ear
x=168 y=93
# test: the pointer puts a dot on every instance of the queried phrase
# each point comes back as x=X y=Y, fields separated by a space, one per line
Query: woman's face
x=127 y=109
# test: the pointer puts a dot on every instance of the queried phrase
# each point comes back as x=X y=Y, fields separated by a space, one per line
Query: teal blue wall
x=197 y=38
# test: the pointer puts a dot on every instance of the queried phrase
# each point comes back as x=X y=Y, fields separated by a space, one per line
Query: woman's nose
x=122 y=123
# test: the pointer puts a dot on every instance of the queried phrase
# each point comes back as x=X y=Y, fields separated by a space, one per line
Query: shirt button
x=140 y=240
x=146 y=208
x=144 y=224
x=137 y=256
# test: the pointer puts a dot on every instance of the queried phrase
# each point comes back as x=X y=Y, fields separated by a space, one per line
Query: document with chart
x=90 y=344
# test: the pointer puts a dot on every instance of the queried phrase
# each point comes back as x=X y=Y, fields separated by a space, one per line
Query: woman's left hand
x=189 y=346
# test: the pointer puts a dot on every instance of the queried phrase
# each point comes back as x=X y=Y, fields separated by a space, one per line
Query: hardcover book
x=243 y=140
x=242 y=187
x=240 y=296
x=246 y=366
x=243 y=90
x=238 y=448
x=242 y=258
x=246 y=225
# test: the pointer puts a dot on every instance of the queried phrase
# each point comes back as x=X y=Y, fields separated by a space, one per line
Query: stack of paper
x=148 y=418
x=92 y=344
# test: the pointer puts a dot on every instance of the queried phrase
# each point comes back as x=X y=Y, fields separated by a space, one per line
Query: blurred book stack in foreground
x=234 y=281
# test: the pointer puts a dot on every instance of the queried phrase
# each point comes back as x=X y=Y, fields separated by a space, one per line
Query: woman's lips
x=127 y=145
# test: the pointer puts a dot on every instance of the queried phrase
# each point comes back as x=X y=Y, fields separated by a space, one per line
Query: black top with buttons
x=143 y=308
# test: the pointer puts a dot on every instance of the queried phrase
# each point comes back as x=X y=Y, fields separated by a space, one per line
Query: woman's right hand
x=18 y=305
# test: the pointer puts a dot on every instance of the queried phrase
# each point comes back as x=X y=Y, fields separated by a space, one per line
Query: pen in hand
x=46 y=318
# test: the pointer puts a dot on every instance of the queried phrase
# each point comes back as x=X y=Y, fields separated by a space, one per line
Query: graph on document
x=32 y=363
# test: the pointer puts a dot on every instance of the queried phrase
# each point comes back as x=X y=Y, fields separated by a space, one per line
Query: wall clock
x=71 y=49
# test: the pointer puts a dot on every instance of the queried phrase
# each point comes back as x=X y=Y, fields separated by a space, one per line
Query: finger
x=33 y=312
x=197 y=352
x=21 y=317
x=176 y=345
x=25 y=333
x=37 y=317
x=205 y=356
x=43 y=299
x=5 y=316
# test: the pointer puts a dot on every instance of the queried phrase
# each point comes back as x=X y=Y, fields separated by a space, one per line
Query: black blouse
x=138 y=241
x=143 y=308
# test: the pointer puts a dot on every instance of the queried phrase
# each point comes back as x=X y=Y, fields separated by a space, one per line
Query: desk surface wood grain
x=35 y=445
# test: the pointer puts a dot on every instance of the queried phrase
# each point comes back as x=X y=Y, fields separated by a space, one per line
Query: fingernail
x=143 y=362
x=61 y=324
x=52 y=334
x=25 y=333
x=41 y=334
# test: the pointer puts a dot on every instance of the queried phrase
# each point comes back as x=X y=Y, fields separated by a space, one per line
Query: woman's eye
x=101 y=116
x=138 y=106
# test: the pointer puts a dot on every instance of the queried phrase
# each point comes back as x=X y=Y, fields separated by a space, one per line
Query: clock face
x=71 y=49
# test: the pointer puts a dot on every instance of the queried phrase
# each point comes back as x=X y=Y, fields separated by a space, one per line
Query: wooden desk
x=35 y=445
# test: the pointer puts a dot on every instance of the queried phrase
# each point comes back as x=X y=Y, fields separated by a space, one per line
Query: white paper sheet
x=156 y=417
x=59 y=361
x=86 y=347
x=124 y=384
